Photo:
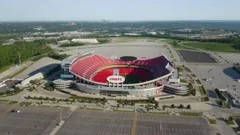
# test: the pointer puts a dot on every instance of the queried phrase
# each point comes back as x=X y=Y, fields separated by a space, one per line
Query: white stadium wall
x=137 y=92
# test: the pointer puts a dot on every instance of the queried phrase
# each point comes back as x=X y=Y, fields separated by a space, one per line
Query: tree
x=156 y=105
x=104 y=100
x=10 y=54
x=181 y=106
x=164 y=106
x=230 y=118
x=193 y=91
x=220 y=103
x=174 y=43
x=151 y=100
x=188 y=107
x=172 y=106
x=32 y=81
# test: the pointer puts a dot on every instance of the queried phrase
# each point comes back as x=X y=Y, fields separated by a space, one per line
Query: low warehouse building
x=92 y=41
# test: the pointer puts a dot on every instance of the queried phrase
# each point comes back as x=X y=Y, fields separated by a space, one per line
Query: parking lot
x=136 y=49
x=166 y=125
x=42 y=120
x=196 y=57
x=30 y=120
x=42 y=65
x=97 y=122
x=230 y=57
x=222 y=77
x=121 y=123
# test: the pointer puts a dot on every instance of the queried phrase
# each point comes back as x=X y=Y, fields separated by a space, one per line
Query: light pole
x=19 y=59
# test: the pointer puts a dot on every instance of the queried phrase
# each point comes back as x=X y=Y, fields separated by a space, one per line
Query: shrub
x=181 y=106
x=220 y=103
x=172 y=106
x=164 y=106
x=190 y=114
x=220 y=95
x=156 y=105
x=212 y=121
x=188 y=107
x=49 y=88
x=202 y=90
x=206 y=98
x=192 y=91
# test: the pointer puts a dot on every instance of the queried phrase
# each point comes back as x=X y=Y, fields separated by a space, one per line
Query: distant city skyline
x=124 y=10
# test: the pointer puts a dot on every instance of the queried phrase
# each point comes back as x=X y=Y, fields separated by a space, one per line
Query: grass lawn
x=212 y=121
x=202 y=90
x=221 y=47
x=183 y=80
x=229 y=122
x=190 y=114
x=131 y=39
x=198 y=82
x=224 y=104
x=180 y=47
x=193 y=75
x=4 y=101
x=161 y=113
x=13 y=102
x=179 y=69
x=4 y=68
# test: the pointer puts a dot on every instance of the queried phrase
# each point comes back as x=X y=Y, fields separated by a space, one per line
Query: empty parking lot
x=42 y=121
x=30 y=121
x=222 y=77
x=196 y=57
x=122 y=123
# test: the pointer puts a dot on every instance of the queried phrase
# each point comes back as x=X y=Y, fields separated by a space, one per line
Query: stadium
x=117 y=75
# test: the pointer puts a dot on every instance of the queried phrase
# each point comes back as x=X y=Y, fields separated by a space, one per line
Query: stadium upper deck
x=86 y=68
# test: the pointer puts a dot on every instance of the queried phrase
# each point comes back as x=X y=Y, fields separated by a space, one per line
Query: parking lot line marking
x=134 y=127
x=8 y=110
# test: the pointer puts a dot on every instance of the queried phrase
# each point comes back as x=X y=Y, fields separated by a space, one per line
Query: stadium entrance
x=128 y=58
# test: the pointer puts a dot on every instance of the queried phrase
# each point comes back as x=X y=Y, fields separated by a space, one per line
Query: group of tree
x=233 y=40
x=180 y=106
x=11 y=92
x=103 y=41
x=58 y=56
x=21 y=51
x=72 y=44
x=191 y=89
x=220 y=95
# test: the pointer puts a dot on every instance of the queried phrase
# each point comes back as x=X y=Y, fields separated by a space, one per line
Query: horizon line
x=106 y=20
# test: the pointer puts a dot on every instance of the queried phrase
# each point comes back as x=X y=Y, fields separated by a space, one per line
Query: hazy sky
x=33 y=10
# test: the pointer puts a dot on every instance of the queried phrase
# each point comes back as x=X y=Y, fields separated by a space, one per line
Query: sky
x=118 y=10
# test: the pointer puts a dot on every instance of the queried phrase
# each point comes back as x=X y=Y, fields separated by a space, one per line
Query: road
x=225 y=129
x=12 y=70
x=218 y=112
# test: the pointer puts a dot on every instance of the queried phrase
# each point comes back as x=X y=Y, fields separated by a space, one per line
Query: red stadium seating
x=85 y=67
x=143 y=74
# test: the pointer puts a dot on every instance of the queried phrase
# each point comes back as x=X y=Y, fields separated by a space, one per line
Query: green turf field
x=221 y=47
